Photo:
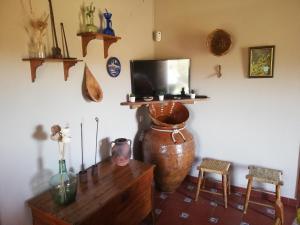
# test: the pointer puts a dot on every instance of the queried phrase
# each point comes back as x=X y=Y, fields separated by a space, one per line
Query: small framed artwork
x=261 y=61
x=113 y=66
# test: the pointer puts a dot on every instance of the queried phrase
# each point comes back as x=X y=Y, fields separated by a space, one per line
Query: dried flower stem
x=35 y=26
x=61 y=148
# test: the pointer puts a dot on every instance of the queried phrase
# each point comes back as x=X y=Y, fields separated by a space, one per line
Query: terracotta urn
x=169 y=145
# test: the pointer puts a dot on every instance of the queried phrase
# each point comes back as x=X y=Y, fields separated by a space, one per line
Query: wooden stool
x=270 y=176
x=214 y=166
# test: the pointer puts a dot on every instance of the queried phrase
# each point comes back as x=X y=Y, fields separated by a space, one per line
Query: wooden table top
x=92 y=196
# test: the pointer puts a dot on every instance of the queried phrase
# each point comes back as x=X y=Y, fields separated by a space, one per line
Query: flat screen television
x=149 y=77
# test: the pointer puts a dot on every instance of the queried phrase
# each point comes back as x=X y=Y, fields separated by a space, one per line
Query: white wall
x=246 y=121
x=51 y=100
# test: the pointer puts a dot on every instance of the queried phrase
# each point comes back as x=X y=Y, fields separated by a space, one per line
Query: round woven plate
x=219 y=42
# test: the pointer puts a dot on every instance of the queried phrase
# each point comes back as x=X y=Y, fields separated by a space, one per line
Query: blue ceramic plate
x=113 y=66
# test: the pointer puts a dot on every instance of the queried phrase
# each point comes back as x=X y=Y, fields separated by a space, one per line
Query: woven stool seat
x=265 y=175
x=218 y=167
x=215 y=166
x=270 y=176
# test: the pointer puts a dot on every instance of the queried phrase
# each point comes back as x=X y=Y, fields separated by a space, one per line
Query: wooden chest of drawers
x=117 y=196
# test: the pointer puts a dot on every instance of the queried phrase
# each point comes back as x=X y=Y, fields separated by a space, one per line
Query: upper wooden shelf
x=86 y=37
x=137 y=104
x=36 y=62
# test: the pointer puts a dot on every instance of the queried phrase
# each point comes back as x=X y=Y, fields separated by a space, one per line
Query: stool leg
x=229 y=183
x=278 y=222
x=249 y=186
x=279 y=206
x=203 y=181
x=199 y=184
x=224 y=180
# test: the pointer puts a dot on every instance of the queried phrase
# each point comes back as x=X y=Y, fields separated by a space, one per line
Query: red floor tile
x=179 y=208
x=289 y=215
x=229 y=216
x=255 y=218
x=171 y=213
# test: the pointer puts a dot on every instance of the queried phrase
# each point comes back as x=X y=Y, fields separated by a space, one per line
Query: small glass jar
x=41 y=50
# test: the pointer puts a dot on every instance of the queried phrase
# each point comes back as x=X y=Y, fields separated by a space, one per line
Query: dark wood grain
x=117 y=196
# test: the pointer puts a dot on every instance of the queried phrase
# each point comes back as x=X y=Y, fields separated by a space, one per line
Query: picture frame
x=261 y=61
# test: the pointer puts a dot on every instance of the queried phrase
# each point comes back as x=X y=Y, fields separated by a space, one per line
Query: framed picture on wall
x=261 y=61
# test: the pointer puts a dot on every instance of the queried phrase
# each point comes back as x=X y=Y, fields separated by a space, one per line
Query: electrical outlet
x=157 y=36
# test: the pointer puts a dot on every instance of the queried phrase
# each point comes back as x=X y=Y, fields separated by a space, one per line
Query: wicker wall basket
x=219 y=42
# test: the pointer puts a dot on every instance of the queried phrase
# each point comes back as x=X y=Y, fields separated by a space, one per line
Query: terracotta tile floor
x=179 y=208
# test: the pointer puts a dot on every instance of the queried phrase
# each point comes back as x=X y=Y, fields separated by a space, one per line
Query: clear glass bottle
x=63 y=185
x=41 y=50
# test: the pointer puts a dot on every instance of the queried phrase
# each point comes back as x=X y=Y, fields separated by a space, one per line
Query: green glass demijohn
x=63 y=185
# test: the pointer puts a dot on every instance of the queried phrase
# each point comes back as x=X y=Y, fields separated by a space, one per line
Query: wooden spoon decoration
x=91 y=86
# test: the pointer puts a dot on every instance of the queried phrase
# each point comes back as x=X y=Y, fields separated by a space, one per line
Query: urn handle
x=113 y=143
x=130 y=142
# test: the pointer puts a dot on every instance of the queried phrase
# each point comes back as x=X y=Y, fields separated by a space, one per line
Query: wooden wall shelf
x=137 y=104
x=108 y=40
x=36 y=62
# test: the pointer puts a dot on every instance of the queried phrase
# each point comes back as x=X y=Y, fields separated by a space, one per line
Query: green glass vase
x=63 y=186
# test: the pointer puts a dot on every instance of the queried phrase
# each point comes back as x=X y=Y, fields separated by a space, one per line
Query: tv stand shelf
x=139 y=103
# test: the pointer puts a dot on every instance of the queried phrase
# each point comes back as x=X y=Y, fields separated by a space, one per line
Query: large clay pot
x=169 y=145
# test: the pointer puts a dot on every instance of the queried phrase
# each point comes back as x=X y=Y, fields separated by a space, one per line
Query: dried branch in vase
x=36 y=28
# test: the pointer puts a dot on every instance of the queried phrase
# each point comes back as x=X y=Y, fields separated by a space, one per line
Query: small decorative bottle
x=108 y=30
x=63 y=185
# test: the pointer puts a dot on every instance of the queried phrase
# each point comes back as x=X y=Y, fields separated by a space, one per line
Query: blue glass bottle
x=108 y=30
x=63 y=185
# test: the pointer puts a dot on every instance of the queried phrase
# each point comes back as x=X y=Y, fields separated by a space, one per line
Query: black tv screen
x=149 y=77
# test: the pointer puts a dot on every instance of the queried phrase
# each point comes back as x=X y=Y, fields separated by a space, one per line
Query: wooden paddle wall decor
x=91 y=87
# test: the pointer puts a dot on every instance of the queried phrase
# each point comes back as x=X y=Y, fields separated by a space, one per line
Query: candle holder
x=95 y=166
x=94 y=170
